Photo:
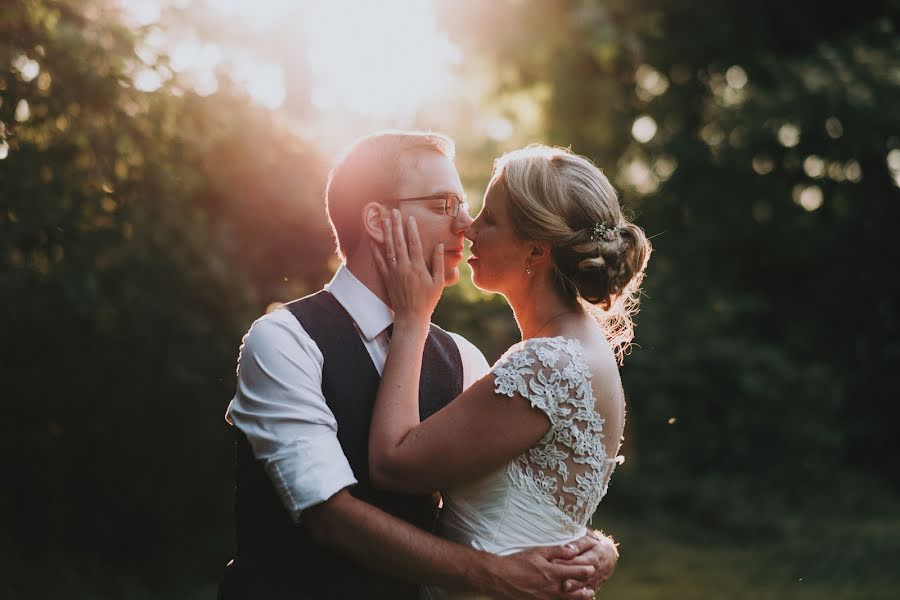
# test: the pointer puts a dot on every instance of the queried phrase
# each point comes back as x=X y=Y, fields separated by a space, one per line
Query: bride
x=524 y=456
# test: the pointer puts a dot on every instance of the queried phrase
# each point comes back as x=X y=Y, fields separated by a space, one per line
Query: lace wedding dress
x=546 y=495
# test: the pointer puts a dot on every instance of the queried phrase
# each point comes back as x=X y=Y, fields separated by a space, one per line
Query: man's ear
x=373 y=220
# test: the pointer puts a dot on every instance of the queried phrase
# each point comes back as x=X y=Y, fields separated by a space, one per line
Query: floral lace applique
x=568 y=466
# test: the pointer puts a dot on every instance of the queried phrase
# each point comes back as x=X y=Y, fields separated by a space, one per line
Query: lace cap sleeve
x=549 y=372
x=568 y=467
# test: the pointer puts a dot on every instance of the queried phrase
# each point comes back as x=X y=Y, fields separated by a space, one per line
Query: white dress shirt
x=279 y=404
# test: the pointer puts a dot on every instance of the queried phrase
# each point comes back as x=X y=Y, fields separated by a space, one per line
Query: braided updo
x=599 y=258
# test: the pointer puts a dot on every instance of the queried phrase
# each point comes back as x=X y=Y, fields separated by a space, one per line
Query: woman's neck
x=539 y=309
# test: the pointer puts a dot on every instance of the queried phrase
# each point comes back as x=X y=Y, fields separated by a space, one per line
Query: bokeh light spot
x=788 y=135
x=499 y=129
x=23 y=111
x=640 y=177
x=736 y=77
x=650 y=82
x=643 y=129
x=147 y=80
x=893 y=163
x=26 y=67
x=853 y=171
x=808 y=197
x=762 y=165
x=814 y=166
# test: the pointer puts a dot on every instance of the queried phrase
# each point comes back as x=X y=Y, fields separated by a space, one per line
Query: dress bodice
x=546 y=495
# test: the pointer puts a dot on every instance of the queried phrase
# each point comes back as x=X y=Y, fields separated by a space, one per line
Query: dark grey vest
x=277 y=560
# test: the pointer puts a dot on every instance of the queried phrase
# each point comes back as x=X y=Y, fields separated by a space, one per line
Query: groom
x=309 y=523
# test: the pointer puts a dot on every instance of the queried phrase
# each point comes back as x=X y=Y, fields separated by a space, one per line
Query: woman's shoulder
x=556 y=358
x=559 y=342
x=545 y=351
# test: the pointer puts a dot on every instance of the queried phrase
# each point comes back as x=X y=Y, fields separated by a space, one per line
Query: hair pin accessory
x=601 y=231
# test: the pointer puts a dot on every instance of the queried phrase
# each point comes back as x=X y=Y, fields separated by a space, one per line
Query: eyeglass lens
x=453 y=204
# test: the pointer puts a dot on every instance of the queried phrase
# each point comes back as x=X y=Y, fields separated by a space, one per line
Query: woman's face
x=499 y=257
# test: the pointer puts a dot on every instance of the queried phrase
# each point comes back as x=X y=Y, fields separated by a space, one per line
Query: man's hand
x=540 y=574
x=597 y=550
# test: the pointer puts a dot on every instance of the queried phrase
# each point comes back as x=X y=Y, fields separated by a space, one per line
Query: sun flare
x=383 y=58
x=377 y=58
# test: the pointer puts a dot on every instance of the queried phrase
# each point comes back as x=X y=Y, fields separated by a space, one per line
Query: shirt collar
x=366 y=309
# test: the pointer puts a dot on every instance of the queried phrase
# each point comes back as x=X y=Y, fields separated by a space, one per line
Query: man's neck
x=363 y=268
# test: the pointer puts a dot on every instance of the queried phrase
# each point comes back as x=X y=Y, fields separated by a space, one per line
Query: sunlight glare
x=499 y=129
x=258 y=15
x=264 y=81
x=377 y=58
x=140 y=13
x=147 y=80
x=191 y=53
x=381 y=59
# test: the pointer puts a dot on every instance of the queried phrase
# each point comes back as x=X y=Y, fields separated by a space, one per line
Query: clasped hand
x=412 y=289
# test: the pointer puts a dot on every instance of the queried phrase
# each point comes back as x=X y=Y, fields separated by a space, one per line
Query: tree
x=141 y=232
x=757 y=153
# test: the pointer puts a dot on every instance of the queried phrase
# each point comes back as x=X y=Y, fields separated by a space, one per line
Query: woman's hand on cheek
x=413 y=290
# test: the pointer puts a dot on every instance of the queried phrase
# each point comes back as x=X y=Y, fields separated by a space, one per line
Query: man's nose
x=463 y=220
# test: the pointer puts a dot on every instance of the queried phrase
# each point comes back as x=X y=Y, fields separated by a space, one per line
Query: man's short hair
x=370 y=170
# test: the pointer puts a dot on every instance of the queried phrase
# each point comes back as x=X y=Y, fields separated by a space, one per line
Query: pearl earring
x=528 y=270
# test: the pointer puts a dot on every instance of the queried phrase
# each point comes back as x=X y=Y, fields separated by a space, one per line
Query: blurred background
x=162 y=164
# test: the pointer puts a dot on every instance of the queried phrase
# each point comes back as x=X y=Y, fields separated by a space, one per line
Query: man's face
x=430 y=173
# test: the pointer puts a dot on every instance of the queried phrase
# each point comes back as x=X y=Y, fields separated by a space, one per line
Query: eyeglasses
x=452 y=202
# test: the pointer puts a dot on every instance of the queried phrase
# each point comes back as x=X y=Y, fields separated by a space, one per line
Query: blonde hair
x=370 y=170
x=598 y=256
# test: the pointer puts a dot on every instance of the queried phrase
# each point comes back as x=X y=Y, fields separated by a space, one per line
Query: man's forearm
x=393 y=546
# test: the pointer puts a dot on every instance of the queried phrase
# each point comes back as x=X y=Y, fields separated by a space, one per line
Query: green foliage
x=767 y=326
x=141 y=232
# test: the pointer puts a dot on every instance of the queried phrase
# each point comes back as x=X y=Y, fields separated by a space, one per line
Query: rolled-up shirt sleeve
x=279 y=406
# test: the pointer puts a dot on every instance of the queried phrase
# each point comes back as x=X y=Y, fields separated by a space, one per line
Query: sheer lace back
x=568 y=466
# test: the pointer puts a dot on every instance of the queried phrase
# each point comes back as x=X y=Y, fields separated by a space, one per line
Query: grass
x=838 y=554
x=849 y=556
